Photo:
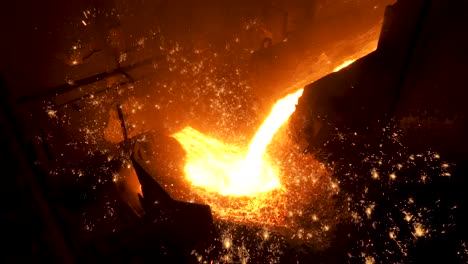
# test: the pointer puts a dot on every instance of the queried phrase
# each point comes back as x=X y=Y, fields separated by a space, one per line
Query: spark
x=419 y=230
x=227 y=243
x=52 y=113
x=369 y=260
x=408 y=216
x=423 y=178
x=369 y=210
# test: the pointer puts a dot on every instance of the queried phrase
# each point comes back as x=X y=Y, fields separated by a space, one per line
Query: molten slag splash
x=230 y=170
x=222 y=168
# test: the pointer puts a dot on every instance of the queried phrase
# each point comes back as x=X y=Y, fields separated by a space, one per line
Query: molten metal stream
x=226 y=169
x=230 y=170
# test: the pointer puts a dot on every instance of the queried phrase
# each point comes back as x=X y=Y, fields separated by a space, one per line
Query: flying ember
x=233 y=170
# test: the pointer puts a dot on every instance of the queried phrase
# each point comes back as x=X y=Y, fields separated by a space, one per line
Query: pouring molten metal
x=232 y=170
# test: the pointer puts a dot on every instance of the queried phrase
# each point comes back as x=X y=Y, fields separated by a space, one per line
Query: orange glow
x=280 y=113
x=227 y=169
x=222 y=168
x=268 y=181
x=344 y=65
